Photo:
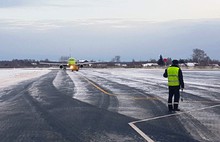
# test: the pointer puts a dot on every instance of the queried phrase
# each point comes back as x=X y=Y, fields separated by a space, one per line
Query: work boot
x=176 y=107
x=170 y=107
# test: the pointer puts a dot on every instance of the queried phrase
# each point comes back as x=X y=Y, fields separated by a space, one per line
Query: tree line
x=199 y=57
x=15 y=63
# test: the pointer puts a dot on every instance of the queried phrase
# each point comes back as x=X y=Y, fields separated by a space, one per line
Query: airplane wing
x=81 y=63
x=60 y=64
x=72 y=63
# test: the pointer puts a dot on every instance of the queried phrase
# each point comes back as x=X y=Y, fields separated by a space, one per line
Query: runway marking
x=137 y=98
x=184 y=101
x=132 y=124
x=97 y=87
x=147 y=138
x=110 y=94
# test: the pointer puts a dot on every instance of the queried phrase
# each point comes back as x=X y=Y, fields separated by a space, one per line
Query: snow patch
x=10 y=77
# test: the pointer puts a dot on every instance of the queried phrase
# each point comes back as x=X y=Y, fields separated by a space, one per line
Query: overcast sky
x=102 y=29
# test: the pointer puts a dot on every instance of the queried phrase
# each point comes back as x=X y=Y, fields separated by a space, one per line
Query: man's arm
x=181 y=79
x=165 y=74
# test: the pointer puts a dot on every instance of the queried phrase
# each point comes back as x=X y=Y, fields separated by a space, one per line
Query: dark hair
x=175 y=62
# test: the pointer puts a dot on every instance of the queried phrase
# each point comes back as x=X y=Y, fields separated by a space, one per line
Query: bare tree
x=200 y=57
x=160 y=62
x=116 y=59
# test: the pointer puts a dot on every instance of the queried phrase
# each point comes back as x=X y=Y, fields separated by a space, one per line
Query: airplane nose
x=71 y=67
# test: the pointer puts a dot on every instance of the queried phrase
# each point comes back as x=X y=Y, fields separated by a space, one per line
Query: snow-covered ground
x=134 y=88
x=201 y=87
x=200 y=105
x=10 y=77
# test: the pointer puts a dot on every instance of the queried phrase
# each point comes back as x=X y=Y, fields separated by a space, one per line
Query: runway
x=110 y=105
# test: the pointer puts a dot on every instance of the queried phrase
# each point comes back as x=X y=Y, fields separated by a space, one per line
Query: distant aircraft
x=71 y=63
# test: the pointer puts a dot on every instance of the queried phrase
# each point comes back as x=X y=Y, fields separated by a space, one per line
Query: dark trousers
x=173 y=91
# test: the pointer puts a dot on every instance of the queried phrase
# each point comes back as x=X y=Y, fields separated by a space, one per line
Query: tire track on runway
x=76 y=121
x=64 y=83
x=151 y=104
x=50 y=98
x=31 y=111
x=42 y=113
x=187 y=122
x=104 y=97
x=98 y=95
x=23 y=119
x=12 y=92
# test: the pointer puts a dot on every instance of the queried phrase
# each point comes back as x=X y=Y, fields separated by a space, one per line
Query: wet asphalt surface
x=64 y=106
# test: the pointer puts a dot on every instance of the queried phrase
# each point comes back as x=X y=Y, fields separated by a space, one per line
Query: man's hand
x=181 y=95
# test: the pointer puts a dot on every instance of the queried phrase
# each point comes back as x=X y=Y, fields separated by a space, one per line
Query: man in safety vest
x=175 y=83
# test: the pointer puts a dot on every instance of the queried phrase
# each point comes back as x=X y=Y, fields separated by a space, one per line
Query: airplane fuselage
x=73 y=64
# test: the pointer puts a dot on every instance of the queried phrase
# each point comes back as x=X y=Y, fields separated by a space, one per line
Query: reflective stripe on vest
x=173 y=78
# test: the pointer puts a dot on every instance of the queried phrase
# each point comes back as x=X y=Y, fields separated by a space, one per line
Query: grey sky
x=101 y=29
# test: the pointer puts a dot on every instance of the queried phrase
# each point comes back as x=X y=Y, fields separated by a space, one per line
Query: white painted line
x=147 y=138
x=163 y=116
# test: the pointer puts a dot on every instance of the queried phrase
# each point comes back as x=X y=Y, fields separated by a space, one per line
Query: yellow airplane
x=71 y=63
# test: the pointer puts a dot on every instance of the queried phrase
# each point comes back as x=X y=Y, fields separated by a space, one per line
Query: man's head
x=175 y=62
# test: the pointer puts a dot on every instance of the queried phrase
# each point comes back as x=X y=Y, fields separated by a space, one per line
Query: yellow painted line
x=107 y=93
x=140 y=98
x=97 y=87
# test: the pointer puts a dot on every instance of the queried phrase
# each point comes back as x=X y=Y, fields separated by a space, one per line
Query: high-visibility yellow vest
x=173 y=78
